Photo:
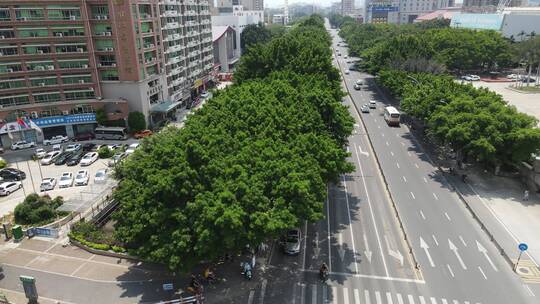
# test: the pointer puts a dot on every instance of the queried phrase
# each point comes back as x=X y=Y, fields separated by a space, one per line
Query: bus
x=391 y=115
x=111 y=133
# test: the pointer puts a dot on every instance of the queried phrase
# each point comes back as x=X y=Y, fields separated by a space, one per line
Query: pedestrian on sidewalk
x=526 y=195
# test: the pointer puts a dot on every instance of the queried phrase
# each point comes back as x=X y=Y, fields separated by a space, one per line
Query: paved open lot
x=75 y=197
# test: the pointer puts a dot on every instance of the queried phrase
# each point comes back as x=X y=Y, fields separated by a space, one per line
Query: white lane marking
x=363 y=152
x=463 y=241
x=435 y=240
x=399 y=298
x=425 y=246
x=375 y=119
x=328 y=231
x=313 y=293
x=389 y=298
x=251 y=296
x=450 y=269
x=345 y=274
x=455 y=302
x=435 y=196
x=529 y=290
x=263 y=291
x=348 y=150
x=387 y=144
x=325 y=294
x=416 y=165
x=481 y=271
x=444 y=301
x=404 y=179
x=366 y=296
x=382 y=134
x=378 y=127
x=356 y=296
x=412 y=194
x=305 y=245
x=458 y=256
x=397 y=164
x=447 y=216
x=350 y=221
x=422 y=215
x=484 y=252
x=422 y=300
x=433 y=301
x=397 y=134
x=340 y=239
x=378 y=297
x=391 y=153
x=78 y=268
x=411 y=299
x=425 y=180
x=367 y=252
x=403 y=144
x=372 y=218
x=345 y=295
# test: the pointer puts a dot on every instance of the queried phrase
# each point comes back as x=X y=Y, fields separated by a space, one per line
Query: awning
x=164 y=107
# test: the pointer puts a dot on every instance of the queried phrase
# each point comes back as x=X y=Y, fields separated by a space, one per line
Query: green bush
x=118 y=249
x=136 y=121
x=105 y=152
x=3 y=163
x=37 y=210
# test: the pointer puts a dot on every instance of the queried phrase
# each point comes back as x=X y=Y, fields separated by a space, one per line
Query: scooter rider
x=323 y=271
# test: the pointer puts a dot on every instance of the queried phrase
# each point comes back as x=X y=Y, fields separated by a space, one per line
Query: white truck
x=23 y=144
x=55 y=140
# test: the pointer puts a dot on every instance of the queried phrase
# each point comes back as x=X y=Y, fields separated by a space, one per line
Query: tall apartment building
x=400 y=11
x=61 y=60
x=347 y=7
x=252 y=5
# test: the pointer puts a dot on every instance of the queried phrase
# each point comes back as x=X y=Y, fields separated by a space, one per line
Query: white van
x=372 y=104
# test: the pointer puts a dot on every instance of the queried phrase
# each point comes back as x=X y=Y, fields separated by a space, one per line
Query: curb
x=406 y=238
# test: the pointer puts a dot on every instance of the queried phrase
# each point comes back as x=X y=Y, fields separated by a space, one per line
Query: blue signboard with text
x=382 y=9
x=66 y=119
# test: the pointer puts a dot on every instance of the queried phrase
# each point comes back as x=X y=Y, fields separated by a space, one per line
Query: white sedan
x=101 y=176
x=55 y=140
x=74 y=147
x=47 y=184
x=82 y=178
x=40 y=153
x=8 y=187
x=66 y=180
x=50 y=157
x=23 y=144
x=89 y=158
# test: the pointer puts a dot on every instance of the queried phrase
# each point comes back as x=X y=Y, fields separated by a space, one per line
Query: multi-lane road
x=366 y=242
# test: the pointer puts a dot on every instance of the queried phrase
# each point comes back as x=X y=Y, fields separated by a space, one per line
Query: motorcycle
x=323 y=273
x=246 y=270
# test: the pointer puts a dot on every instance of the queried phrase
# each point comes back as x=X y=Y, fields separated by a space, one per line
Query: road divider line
x=416 y=165
x=435 y=240
x=251 y=296
x=447 y=216
x=435 y=196
x=422 y=215
x=391 y=153
x=412 y=194
x=350 y=221
x=397 y=164
x=305 y=245
x=404 y=179
x=387 y=144
x=263 y=291
x=314 y=293
x=372 y=218
x=77 y=269
x=382 y=134
x=425 y=180
x=450 y=269
x=462 y=241
x=482 y=272
x=409 y=153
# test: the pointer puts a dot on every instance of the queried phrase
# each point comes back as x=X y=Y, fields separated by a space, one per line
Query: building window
x=79 y=94
x=81 y=109
x=110 y=75
x=50 y=112
x=46 y=97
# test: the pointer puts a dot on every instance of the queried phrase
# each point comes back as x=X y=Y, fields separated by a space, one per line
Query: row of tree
x=476 y=123
x=253 y=162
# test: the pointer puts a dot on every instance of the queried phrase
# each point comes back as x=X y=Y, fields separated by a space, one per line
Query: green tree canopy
x=254 y=34
x=136 y=121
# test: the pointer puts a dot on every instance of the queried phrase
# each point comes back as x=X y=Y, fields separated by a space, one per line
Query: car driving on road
x=89 y=158
x=47 y=184
x=7 y=188
x=23 y=144
x=364 y=108
x=66 y=180
x=357 y=87
x=291 y=242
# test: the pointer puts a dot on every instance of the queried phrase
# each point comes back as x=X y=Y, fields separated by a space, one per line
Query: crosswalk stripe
x=389 y=298
x=345 y=295
x=399 y=298
x=456 y=302
x=411 y=299
x=313 y=293
x=251 y=296
x=467 y=302
x=422 y=301
x=366 y=295
x=378 y=297
x=356 y=296
x=433 y=301
x=444 y=301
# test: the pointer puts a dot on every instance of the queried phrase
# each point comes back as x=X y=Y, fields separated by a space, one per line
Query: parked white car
x=23 y=144
x=131 y=148
x=74 y=147
x=82 y=178
x=55 y=140
x=47 y=184
x=89 y=158
x=347 y=72
x=50 y=157
x=101 y=176
x=40 y=153
x=58 y=147
x=9 y=187
x=513 y=77
x=66 y=180
x=471 y=77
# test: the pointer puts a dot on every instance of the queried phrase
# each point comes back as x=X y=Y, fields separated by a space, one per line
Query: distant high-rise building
x=252 y=5
x=347 y=7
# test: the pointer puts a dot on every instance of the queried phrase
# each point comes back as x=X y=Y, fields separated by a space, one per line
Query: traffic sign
x=523 y=247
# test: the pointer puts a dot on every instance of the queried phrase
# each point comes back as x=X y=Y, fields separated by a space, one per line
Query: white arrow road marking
x=484 y=252
x=425 y=246
x=394 y=253
x=363 y=152
x=455 y=250
x=317 y=249
x=341 y=251
x=367 y=252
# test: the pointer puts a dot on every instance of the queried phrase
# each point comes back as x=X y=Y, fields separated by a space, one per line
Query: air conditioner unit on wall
x=50 y=67
x=72 y=17
x=9 y=70
x=85 y=66
x=59 y=34
x=41 y=84
x=98 y=17
x=81 y=80
x=80 y=50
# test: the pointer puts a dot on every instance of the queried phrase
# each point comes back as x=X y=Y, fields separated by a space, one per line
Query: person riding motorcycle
x=323 y=271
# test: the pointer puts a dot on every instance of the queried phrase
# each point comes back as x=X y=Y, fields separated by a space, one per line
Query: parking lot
x=75 y=197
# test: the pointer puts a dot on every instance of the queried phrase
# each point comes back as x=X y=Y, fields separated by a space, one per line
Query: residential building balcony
x=172 y=25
